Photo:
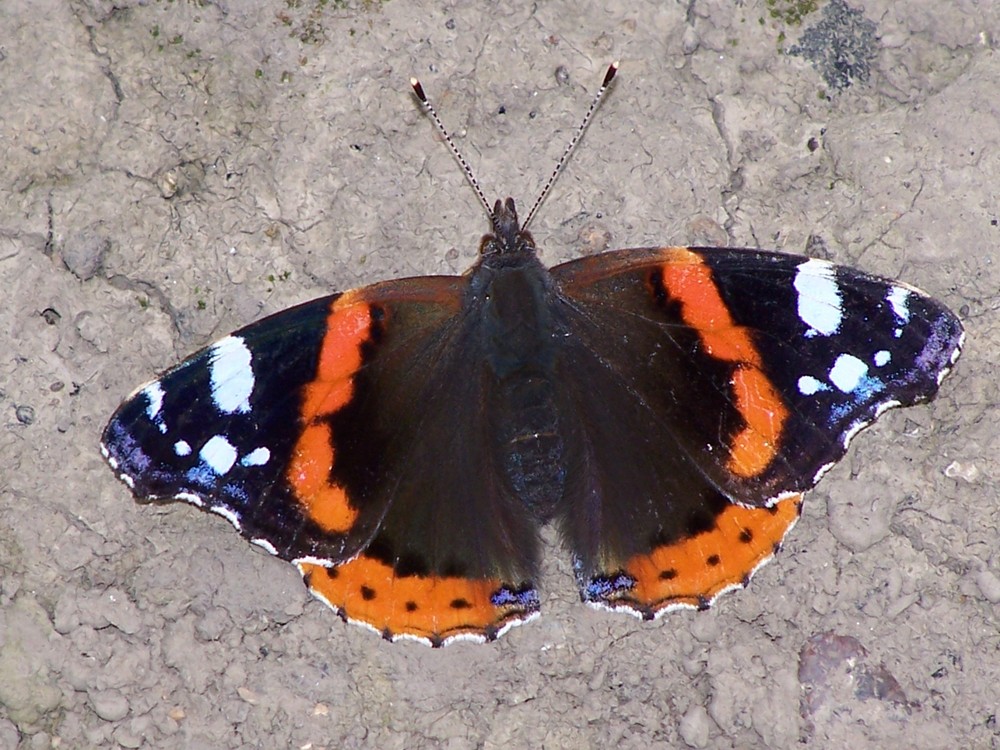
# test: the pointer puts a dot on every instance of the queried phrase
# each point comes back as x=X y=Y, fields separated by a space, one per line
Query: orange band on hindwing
x=348 y=328
x=689 y=281
x=431 y=608
x=693 y=571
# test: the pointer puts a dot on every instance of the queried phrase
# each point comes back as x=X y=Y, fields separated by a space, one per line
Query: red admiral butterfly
x=666 y=407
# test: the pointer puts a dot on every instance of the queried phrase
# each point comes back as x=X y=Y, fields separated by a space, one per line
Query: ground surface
x=172 y=170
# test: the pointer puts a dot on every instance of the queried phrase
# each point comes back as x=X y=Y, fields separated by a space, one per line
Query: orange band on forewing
x=696 y=570
x=369 y=591
x=689 y=280
x=348 y=327
x=765 y=414
x=326 y=504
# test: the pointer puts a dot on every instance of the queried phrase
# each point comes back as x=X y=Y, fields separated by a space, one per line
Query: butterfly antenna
x=598 y=97
x=419 y=91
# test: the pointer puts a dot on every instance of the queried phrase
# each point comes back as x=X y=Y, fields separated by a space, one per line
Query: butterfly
x=665 y=407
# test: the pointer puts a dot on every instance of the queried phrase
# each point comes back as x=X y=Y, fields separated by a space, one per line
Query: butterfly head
x=507 y=237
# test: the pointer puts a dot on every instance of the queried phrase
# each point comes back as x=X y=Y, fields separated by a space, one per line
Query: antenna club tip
x=612 y=71
x=418 y=89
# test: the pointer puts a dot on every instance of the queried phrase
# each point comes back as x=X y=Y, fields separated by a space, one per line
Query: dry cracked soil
x=173 y=170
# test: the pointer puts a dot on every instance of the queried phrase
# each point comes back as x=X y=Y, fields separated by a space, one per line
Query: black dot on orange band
x=773 y=509
x=411 y=606
x=712 y=560
x=746 y=535
x=668 y=575
x=332 y=573
x=459 y=604
x=367 y=593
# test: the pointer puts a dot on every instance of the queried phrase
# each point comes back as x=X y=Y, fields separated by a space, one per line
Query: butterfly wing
x=728 y=381
x=326 y=434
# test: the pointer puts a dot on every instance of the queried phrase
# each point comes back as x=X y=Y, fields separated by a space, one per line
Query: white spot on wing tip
x=899 y=300
x=809 y=386
x=819 y=301
x=218 y=454
x=256 y=457
x=847 y=372
x=154 y=394
x=231 y=372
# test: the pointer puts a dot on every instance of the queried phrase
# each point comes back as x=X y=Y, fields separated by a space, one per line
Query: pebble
x=989 y=585
x=110 y=705
x=694 y=727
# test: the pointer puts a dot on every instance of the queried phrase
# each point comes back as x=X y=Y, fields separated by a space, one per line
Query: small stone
x=66 y=617
x=9 y=736
x=694 y=727
x=121 y=612
x=127 y=738
x=83 y=253
x=960 y=470
x=110 y=705
x=25 y=415
x=167 y=183
x=594 y=238
x=989 y=585
x=690 y=41
x=212 y=624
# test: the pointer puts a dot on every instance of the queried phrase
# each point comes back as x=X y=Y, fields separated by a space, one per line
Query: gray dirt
x=173 y=170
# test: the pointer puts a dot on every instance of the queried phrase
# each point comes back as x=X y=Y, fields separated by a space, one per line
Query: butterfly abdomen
x=533 y=451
